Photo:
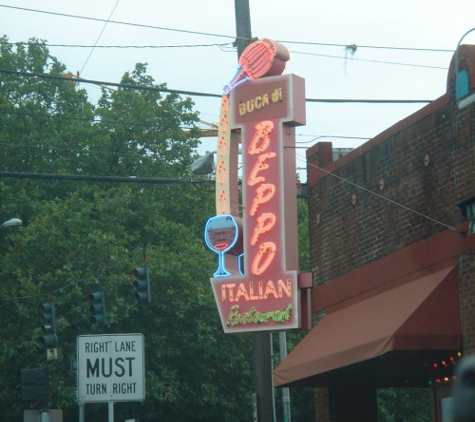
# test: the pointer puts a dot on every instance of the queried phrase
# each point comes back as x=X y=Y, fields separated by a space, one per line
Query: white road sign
x=110 y=367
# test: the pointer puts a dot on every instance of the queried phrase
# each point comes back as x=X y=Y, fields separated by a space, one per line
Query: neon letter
x=266 y=248
x=241 y=292
x=261 y=227
x=263 y=129
x=284 y=287
x=264 y=193
x=258 y=166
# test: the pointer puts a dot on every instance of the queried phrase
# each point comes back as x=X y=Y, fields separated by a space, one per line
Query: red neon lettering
x=258 y=166
x=287 y=287
x=241 y=292
x=267 y=251
x=231 y=291
x=270 y=289
x=261 y=227
x=264 y=193
x=246 y=291
x=263 y=129
x=251 y=292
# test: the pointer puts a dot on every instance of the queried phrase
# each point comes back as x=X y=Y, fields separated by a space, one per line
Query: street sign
x=110 y=368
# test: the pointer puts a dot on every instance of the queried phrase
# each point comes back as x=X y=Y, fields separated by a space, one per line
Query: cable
x=377 y=194
x=371 y=60
x=116 y=179
x=122 y=46
x=118 y=85
x=99 y=37
x=120 y=22
x=97 y=120
x=228 y=44
x=331 y=136
x=352 y=46
x=199 y=94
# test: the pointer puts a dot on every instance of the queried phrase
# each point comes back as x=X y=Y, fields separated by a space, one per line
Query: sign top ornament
x=259 y=59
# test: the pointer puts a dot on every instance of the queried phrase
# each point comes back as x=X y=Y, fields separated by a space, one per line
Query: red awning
x=420 y=315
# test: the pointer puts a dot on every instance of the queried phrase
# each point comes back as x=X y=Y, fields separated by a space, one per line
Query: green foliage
x=403 y=404
x=76 y=233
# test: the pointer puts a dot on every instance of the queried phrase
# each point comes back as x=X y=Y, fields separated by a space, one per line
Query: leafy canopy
x=77 y=233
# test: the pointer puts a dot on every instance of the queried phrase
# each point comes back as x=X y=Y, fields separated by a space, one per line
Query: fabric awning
x=420 y=315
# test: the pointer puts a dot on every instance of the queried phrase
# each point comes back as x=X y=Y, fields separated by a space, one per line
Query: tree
x=403 y=404
x=76 y=234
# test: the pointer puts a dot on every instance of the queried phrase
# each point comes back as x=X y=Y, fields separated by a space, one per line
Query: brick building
x=393 y=260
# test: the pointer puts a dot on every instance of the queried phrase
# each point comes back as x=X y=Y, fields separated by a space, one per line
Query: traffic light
x=35 y=385
x=141 y=285
x=48 y=326
x=97 y=308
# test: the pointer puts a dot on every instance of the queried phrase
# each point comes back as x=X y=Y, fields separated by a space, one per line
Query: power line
x=201 y=94
x=321 y=44
x=46 y=44
x=377 y=194
x=139 y=25
x=115 y=179
x=228 y=44
x=99 y=37
x=118 y=85
x=370 y=60
x=355 y=46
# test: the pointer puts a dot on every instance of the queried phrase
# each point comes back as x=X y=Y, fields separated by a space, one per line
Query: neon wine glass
x=221 y=234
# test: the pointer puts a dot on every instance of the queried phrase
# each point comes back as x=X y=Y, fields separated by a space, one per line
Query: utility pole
x=261 y=342
x=243 y=25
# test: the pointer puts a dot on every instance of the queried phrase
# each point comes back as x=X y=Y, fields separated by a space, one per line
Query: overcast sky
x=403 y=50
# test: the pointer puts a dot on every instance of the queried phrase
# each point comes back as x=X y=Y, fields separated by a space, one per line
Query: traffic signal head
x=97 y=308
x=48 y=326
x=35 y=385
x=141 y=285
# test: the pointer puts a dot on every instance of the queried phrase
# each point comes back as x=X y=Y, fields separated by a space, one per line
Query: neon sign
x=263 y=293
x=259 y=59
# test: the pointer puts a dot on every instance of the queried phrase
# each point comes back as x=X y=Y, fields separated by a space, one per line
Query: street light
x=204 y=164
x=12 y=222
x=469 y=99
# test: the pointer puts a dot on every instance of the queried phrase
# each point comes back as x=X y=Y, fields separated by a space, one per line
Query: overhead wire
x=200 y=94
x=328 y=56
x=302 y=158
x=234 y=37
x=99 y=37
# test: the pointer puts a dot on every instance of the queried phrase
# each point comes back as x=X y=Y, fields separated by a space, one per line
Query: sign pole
x=110 y=405
x=82 y=412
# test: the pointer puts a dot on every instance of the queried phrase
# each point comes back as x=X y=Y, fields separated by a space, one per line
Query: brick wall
x=322 y=408
x=467 y=299
x=398 y=192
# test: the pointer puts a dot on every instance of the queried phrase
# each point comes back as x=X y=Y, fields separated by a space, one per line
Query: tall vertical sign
x=263 y=295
